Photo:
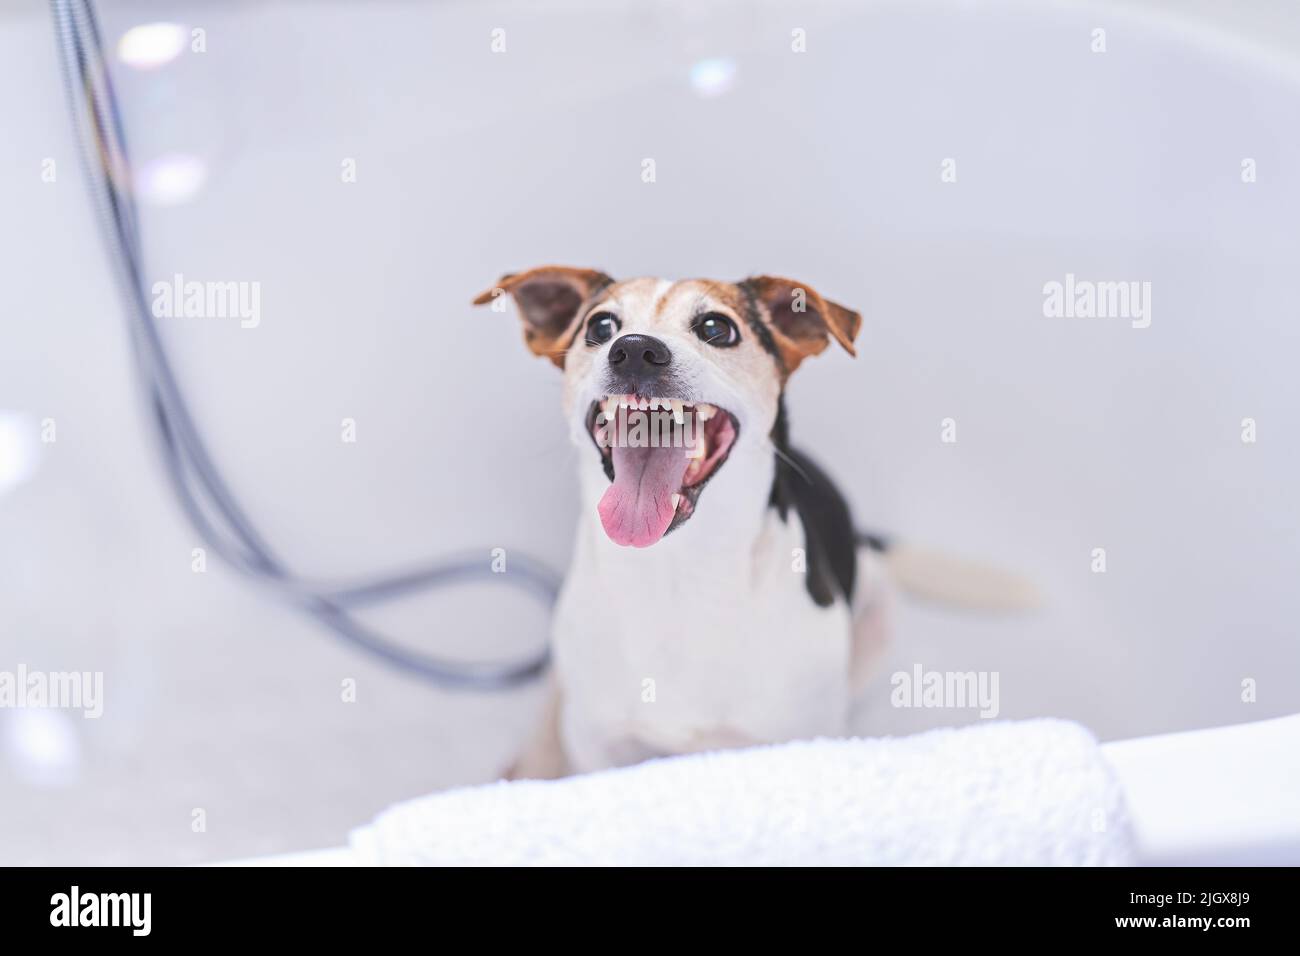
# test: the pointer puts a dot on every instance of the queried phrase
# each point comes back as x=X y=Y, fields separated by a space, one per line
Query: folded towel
x=1034 y=792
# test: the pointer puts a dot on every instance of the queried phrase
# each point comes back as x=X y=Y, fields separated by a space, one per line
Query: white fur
x=715 y=616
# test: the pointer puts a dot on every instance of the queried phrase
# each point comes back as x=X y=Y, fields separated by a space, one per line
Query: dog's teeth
x=611 y=408
x=706 y=412
x=644 y=405
x=622 y=401
x=678 y=415
x=677 y=499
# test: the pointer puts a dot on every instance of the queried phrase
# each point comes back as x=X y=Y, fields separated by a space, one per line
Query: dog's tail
x=950 y=580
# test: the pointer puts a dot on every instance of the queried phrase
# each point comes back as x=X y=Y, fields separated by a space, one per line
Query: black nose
x=634 y=354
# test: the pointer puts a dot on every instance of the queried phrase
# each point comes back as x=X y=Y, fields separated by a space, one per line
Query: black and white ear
x=802 y=322
x=548 y=299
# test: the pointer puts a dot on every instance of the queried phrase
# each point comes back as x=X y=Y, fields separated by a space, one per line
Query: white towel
x=1035 y=792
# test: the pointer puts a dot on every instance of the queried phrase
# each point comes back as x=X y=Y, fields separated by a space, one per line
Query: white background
x=1072 y=434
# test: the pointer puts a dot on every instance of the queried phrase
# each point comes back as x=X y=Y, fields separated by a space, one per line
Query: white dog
x=693 y=620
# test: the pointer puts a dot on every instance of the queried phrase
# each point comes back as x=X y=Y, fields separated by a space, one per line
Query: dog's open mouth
x=658 y=453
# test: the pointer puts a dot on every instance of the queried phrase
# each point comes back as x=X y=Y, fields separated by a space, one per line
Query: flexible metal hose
x=207 y=500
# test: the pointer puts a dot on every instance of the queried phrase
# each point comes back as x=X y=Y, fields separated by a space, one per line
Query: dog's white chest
x=676 y=649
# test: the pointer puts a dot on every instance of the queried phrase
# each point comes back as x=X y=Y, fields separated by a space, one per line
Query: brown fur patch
x=802 y=321
x=550 y=300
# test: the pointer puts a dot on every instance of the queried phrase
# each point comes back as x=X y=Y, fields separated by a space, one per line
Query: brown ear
x=802 y=322
x=548 y=298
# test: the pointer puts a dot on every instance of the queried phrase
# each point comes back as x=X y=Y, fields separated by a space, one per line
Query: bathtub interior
x=1072 y=434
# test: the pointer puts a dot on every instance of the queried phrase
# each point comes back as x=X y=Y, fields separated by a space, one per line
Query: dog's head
x=669 y=379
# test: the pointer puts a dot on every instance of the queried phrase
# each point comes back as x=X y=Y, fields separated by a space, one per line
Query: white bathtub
x=1073 y=434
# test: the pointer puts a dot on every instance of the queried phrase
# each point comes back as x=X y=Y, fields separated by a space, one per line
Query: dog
x=718 y=595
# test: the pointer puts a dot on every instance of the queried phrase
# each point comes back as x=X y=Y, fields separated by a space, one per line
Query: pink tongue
x=637 y=508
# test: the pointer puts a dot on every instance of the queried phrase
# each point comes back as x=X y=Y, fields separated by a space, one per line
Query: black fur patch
x=830 y=542
x=759 y=327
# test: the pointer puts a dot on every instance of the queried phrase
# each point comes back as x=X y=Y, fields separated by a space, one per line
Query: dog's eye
x=601 y=328
x=716 y=329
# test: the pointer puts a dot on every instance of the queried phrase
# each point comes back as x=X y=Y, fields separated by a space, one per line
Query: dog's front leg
x=544 y=758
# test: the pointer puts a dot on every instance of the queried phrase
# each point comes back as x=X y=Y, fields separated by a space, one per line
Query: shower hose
x=204 y=495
